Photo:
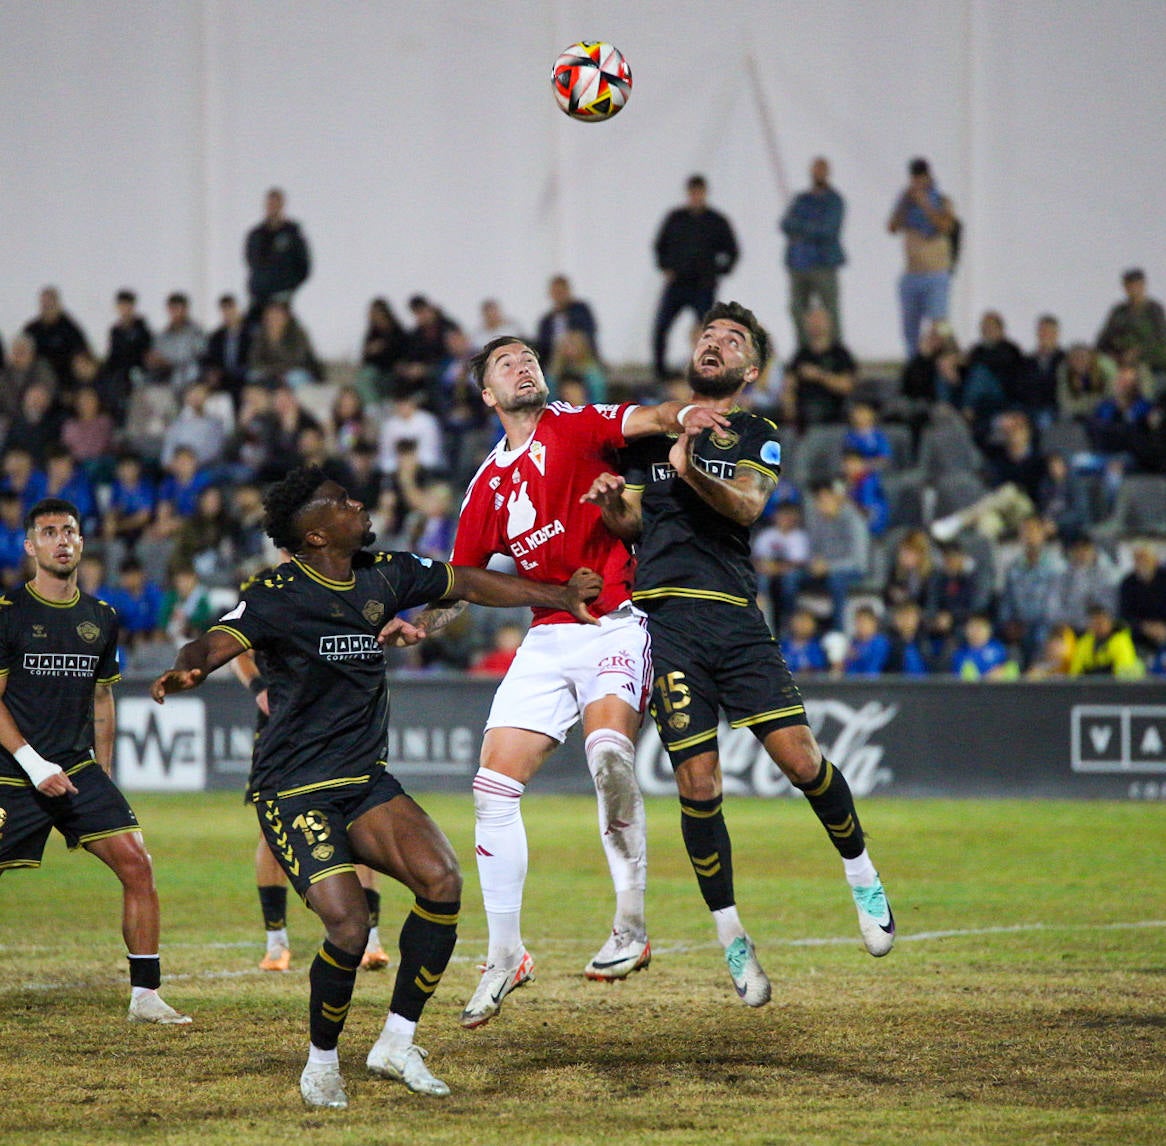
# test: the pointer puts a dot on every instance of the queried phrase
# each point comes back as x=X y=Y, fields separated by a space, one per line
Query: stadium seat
x=957 y=490
x=1066 y=437
x=946 y=446
x=819 y=455
x=1140 y=508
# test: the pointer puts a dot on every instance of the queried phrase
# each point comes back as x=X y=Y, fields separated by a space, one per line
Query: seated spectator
x=571 y=389
x=932 y=375
x=800 y=645
x=152 y=407
x=910 y=572
x=88 y=434
x=12 y=535
x=1142 y=600
x=1062 y=500
x=906 y=656
x=382 y=350
x=1028 y=583
x=195 y=428
x=312 y=450
x=407 y=422
x=495 y=323
x=1037 y=390
x=1089 y=576
x=1117 y=421
x=992 y=375
x=498 y=659
x=366 y=479
x=1106 y=648
x=865 y=437
x=57 y=337
x=178 y=492
x=252 y=448
x=348 y=422
x=187 y=611
x=1055 y=656
x=982 y=656
x=175 y=357
x=224 y=363
x=1081 y=383
x=865 y=490
x=207 y=540
x=138 y=603
x=778 y=551
x=290 y=419
x=953 y=593
x=248 y=515
x=68 y=481
x=133 y=499
x=281 y=352
x=567 y=313
x=573 y=356
x=870 y=649
x=37 y=425
x=429 y=529
x=22 y=477
x=130 y=340
x=426 y=349
x=24 y=369
x=820 y=376
x=1149 y=439
x=1138 y=324
x=839 y=548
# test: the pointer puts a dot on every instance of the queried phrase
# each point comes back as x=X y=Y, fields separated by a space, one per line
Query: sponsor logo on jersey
x=323 y=852
x=771 y=453
x=60 y=664
x=538 y=455
x=372 y=612
x=88 y=631
x=607 y=410
x=162 y=747
x=350 y=647
x=662 y=471
x=39 y=632
x=238 y=610
x=533 y=540
x=521 y=514
x=714 y=468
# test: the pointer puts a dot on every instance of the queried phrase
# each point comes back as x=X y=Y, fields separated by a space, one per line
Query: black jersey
x=687 y=548
x=326 y=684
x=52 y=654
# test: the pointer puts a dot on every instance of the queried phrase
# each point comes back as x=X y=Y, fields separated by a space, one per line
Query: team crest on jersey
x=724 y=439
x=3 y=817
x=372 y=612
x=39 y=631
x=678 y=721
x=88 y=632
x=538 y=455
x=495 y=481
x=322 y=852
x=335 y=610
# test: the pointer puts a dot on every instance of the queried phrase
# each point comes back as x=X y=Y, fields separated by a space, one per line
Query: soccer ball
x=592 y=81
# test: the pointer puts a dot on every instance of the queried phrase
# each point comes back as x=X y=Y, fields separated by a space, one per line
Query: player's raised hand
x=399 y=634
x=606 y=491
x=176 y=680
x=583 y=586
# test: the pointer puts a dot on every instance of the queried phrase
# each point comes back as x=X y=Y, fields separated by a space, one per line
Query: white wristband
x=35 y=765
x=684 y=410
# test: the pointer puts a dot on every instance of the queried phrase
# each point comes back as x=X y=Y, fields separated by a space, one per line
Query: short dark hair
x=226 y=299
x=177 y=298
x=283 y=502
x=919 y=166
x=695 y=181
x=477 y=364
x=735 y=312
x=46 y=507
x=125 y=295
x=1134 y=275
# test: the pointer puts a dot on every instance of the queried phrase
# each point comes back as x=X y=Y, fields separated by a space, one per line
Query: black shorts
x=708 y=656
x=26 y=816
x=308 y=831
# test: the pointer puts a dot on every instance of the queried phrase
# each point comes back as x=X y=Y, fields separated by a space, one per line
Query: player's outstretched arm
x=741 y=499
x=195 y=662
x=666 y=419
x=483 y=587
x=619 y=506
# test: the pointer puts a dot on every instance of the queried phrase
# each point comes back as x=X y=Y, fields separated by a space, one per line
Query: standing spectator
x=1106 y=648
x=1142 y=599
x=130 y=340
x=176 y=355
x=982 y=656
x=278 y=259
x=57 y=336
x=194 y=428
x=1042 y=369
x=926 y=220
x=281 y=352
x=382 y=349
x=1028 y=584
x=567 y=313
x=227 y=351
x=695 y=246
x=25 y=368
x=1138 y=324
x=819 y=377
x=813 y=225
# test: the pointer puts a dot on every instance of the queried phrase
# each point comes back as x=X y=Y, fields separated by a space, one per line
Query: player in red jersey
x=525 y=502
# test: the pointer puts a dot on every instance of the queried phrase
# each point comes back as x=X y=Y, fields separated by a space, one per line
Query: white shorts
x=560 y=669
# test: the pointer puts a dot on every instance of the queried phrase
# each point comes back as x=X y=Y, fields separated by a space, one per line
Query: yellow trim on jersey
x=328 y=872
x=634 y=488
x=109 y=679
x=54 y=604
x=773 y=714
x=3 y=672
x=83 y=840
x=341 y=782
x=699 y=738
x=18 y=863
x=698 y=594
x=449 y=573
x=231 y=633
x=449 y=919
x=749 y=464
x=77 y=767
x=17 y=782
x=327 y=582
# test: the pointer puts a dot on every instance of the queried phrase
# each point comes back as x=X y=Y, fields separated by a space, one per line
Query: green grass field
x=1025 y=1001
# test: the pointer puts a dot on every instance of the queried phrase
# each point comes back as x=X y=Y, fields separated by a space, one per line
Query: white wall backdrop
x=422 y=150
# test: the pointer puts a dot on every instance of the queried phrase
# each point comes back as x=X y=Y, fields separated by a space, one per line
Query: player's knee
x=611 y=757
x=348 y=931
x=699 y=778
x=796 y=753
x=442 y=881
x=135 y=869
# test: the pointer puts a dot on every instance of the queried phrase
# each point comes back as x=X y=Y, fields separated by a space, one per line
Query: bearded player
x=524 y=503
x=689 y=502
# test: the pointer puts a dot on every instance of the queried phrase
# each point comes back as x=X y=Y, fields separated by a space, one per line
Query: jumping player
x=689 y=502
x=58 y=665
x=318 y=777
x=524 y=502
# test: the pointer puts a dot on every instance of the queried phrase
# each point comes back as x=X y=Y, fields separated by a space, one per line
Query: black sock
x=829 y=796
x=145 y=971
x=706 y=839
x=273 y=904
x=332 y=978
x=373 y=899
x=426 y=943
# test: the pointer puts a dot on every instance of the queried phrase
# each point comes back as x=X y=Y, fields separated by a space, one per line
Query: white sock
x=318 y=1057
x=276 y=940
x=611 y=758
x=729 y=925
x=374 y=939
x=860 y=872
x=500 y=847
x=399 y=1028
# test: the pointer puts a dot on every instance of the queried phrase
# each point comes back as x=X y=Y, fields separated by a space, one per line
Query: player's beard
x=723 y=385
x=531 y=400
x=368 y=538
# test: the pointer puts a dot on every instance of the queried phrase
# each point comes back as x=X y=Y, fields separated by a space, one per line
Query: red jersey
x=525 y=503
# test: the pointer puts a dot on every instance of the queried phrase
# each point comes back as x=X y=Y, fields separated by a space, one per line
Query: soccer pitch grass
x=1025 y=1000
